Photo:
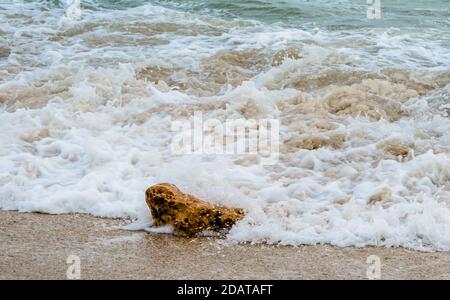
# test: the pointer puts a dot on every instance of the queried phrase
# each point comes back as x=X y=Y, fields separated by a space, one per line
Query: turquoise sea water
x=332 y=14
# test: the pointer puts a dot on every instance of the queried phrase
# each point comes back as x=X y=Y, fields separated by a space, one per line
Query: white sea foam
x=80 y=131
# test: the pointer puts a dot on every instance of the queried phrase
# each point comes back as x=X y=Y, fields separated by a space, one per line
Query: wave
x=87 y=107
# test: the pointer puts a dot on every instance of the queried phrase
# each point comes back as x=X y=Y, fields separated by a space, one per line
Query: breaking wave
x=86 y=108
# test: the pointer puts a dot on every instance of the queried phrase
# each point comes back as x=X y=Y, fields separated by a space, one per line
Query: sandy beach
x=36 y=246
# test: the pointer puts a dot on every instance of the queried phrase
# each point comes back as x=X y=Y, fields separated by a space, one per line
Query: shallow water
x=87 y=107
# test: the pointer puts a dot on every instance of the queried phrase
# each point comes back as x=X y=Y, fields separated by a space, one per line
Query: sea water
x=89 y=92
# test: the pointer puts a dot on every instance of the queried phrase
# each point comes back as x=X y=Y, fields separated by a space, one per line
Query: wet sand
x=36 y=246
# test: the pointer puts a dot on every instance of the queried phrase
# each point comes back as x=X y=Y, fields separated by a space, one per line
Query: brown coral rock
x=186 y=213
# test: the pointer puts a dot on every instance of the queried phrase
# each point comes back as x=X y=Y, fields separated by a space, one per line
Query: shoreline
x=36 y=246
